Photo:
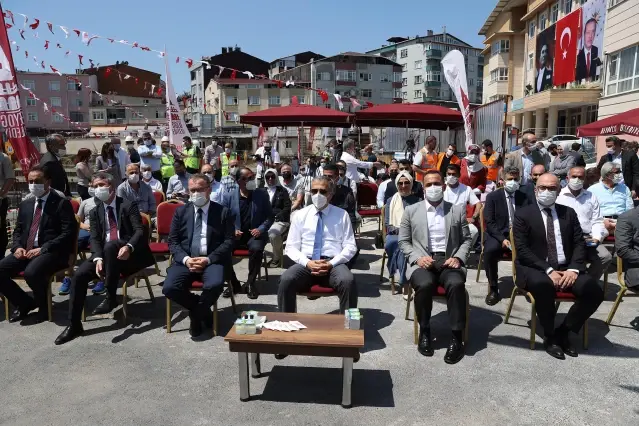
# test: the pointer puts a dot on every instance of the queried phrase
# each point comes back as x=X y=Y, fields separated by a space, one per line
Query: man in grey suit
x=525 y=158
x=436 y=246
x=626 y=243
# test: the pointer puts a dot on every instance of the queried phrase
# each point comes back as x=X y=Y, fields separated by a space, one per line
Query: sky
x=265 y=29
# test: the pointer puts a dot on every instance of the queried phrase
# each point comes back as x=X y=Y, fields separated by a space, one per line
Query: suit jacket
x=281 y=205
x=546 y=80
x=629 y=167
x=530 y=238
x=413 y=234
x=391 y=189
x=261 y=212
x=130 y=230
x=58 y=227
x=513 y=159
x=220 y=233
x=56 y=171
x=345 y=199
x=581 y=72
x=496 y=213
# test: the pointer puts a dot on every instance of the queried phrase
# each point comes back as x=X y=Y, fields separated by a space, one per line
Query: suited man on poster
x=543 y=79
x=588 y=58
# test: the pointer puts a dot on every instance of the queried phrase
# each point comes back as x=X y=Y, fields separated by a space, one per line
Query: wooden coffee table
x=325 y=336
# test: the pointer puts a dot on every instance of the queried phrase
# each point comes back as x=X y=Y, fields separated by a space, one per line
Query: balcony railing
x=433 y=67
x=432 y=83
x=433 y=54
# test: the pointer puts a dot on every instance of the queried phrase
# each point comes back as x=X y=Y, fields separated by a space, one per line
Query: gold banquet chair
x=384 y=255
x=622 y=291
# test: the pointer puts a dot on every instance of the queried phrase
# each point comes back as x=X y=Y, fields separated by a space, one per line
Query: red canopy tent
x=626 y=123
x=296 y=115
x=419 y=116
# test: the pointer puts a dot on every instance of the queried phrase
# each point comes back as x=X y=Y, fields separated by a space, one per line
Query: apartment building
x=420 y=60
x=282 y=64
x=65 y=95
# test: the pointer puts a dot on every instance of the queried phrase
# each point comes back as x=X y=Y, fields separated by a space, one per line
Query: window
x=471 y=82
x=404 y=81
x=623 y=71
x=367 y=93
x=404 y=95
x=417 y=94
x=56 y=102
x=71 y=86
x=500 y=46
x=542 y=21
x=231 y=100
x=397 y=77
x=274 y=100
x=253 y=100
x=145 y=101
x=323 y=76
x=531 y=29
x=54 y=86
x=98 y=115
x=419 y=79
x=397 y=93
x=403 y=53
x=384 y=78
x=433 y=76
x=554 y=13
x=386 y=94
x=365 y=76
x=404 y=67
x=32 y=116
x=615 y=2
x=566 y=6
x=57 y=118
x=232 y=116
x=499 y=74
x=77 y=102
x=252 y=86
x=31 y=101
x=288 y=144
x=418 y=65
x=300 y=99
x=344 y=75
x=29 y=84
x=78 y=117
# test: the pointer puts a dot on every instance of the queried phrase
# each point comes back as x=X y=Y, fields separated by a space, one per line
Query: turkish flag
x=566 y=38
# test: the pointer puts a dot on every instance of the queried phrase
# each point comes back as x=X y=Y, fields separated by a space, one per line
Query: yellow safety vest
x=191 y=160
x=166 y=166
x=224 y=161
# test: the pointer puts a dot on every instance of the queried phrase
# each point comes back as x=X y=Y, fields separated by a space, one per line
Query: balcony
x=429 y=99
x=433 y=54
x=432 y=83
x=433 y=67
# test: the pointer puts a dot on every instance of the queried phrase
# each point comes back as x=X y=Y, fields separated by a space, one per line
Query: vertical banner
x=593 y=21
x=261 y=136
x=11 y=119
x=455 y=73
x=566 y=38
x=311 y=137
x=545 y=50
x=300 y=131
x=176 y=126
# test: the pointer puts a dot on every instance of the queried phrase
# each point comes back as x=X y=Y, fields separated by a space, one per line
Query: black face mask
x=393 y=175
x=287 y=175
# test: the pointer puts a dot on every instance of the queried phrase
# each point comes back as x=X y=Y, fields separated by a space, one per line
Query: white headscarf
x=396 y=204
x=478 y=165
x=277 y=181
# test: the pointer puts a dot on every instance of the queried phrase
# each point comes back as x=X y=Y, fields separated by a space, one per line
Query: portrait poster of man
x=593 y=15
x=545 y=59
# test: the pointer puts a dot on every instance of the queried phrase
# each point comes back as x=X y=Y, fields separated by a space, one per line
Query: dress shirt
x=540 y=78
x=436 y=227
x=612 y=201
x=35 y=206
x=153 y=161
x=352 y=164
x=380 y=193
x=217 y=192
x=123 y=161
x=586 y=206
x=143 y=196
x=527 y=164
x=460 y=195
x=155 y=184
x=202 y=236
x=271 y=192
x=561 y=256
x=178 y=184
x=338 y=242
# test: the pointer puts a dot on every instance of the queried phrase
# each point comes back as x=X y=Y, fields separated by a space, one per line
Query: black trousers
x=4 y=238
x=493 y=253
x=425 y=283
x=83 y=192
x=37 y=272
x=86 y=273
x=179 y=280
x=587 y=290
x=255 y=248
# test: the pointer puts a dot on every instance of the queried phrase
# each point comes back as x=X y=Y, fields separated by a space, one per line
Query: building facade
x=420 y=60
x=282 y=64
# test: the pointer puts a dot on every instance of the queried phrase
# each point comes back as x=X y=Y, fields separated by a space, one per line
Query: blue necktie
x=319 y=236
x=196 y=247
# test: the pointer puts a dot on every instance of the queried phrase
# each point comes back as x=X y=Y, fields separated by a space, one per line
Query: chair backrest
x=513 y=255
x=146 y=221
x=164 y=216
x=159 y=197
x=366 y=194
x=76 y=205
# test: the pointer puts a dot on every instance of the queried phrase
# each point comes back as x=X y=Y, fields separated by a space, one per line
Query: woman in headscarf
x=473 y=173
x=393 y=212
x=562 y=164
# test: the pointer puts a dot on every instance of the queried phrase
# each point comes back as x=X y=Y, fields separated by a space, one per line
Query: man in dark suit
x=551 y=258
x=119 y=245
x=56 y=144
x=344 y=199
x=43 y=239
x=201 y=242
x=498 y=218
x=281 y=206
x=529 y=188
x=253 y=218
x=626 y=159
x=588 y=57
x=543 y=78
x=391 y=188
x=627 y=245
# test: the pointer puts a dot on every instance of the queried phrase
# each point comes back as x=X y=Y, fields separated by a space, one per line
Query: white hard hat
x=128 y=139
x=195 y=141
x=165 y=139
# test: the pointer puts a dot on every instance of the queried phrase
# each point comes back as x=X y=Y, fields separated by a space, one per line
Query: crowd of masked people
x=432 y=208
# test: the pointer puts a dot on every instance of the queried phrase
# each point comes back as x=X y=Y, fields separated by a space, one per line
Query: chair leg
x=50 y=299
x=605 y=286
x=157 y=268
x=148 y=285
x=168 y=315
x=392 y=280
x=479 y=264
x=215 y=319
x=84 y=315
x=533 y=322
x=616 y=305
x=6 y=308
x=124 y=286
x=381 y=271
x=233 y=299
x=585 y=331
x=467 y=318
x=510 y=304
x=265 y=266
x=415 y=332
x=410 y=293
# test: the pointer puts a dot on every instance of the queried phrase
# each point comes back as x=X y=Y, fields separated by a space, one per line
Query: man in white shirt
x=393 y=170
x=123 y=156
x=267 y=157
x=281 y=208
x=352 y=163
x=150 y=154
x=148 y=178
x=320 y=243
x=586 y=206
x=461 y=195
x=217 y=191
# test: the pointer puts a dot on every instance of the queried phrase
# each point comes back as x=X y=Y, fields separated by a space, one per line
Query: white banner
x=174 y=119
x=455 y=73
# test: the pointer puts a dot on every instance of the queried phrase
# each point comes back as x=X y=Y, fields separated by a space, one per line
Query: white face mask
x=319 y=201
x=92 y=192
x=575 y=184
x=102 y=193
x=617 y=178
x=232 y=171
x=198 y=198
x=450 y=153
x=116 y=147
x=434 y=193
x=511 y=186
x=147 y=175
x=227 y=150
x=546 y=198
x=472 y=158
x=611 y=150
x=37 y=189
x=210 y=176
x=62 y=152
x=452 y=180
x=147 y=142
x=135 y=178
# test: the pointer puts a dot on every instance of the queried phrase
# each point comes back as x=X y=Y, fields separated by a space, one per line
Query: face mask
x=62 y=152
x=135 y=178
x=214 y=143
x=611 y=150
x=617 y=178
x=267 y=147
x=227 y=150
x=102 y=193
x=393 y=175
x=210 y=176
x=452 y=180
x=147 y=175
x=92 y=192
x=319 y=201
x=575 y=184
x=116 y=147
x=546 y=198
x=322 y=164
x=198 y=198
x=147 y=142
x=250 y=185
x=340 y=181
x=472 y=158
x=37 y=189
x=287 y=176
x=511 y=186
x=331 y=150
x=532 y=147
x=232 y=171
x=129 y=147
x=434 y=193
x=450 y=152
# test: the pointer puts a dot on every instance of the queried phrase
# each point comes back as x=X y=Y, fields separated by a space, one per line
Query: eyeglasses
x=548 y=188
x=269 y=177
x=321 y=191
x=403 y=184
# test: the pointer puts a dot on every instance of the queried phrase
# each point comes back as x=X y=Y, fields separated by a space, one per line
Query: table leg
x=244 y=376
x=256 y=370
x=347 y=370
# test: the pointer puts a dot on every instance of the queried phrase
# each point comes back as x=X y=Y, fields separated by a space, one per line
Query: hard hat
x=165 y=139
x=128 y=139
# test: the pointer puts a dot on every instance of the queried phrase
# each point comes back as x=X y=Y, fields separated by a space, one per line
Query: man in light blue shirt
x=150 y=154
x=178 y=186
x=217 y=192
x=614 y=197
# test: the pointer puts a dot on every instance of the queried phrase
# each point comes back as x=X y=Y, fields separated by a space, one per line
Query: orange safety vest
x=492 y=164
x=429 y=162
x=453 y=160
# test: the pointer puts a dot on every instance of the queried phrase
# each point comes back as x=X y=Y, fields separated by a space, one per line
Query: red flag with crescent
x=567 y=37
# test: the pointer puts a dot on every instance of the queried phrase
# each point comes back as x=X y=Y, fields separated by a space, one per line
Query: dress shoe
x=195 y=329
x=237 y=289
x=40 y=317
x=105 y=307
x=356 y=357
x=563 y=341
x=69 y=333
x=424 y=344
x=280 y=356
x=493 y=298
x=20 y=314
x=273 y=264
x=455 y=352
x=553 y=349
x=251 y=291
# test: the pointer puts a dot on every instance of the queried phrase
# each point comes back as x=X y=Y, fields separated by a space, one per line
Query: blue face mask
x=340 y=181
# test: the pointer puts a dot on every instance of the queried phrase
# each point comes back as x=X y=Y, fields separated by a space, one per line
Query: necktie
x=550 y=239
x=113 y=225
x=196 y=248
x=511 y=210
x=319 y=236
x=588 y=64
x=35 y=225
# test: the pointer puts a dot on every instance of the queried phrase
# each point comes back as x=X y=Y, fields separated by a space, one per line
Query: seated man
x=43 y=239
x=177 y=188
x=320 y=243
x=499 y=211
x=147 y=177
x=292 y=186
x=216 y=187
x=627 y=245
x=436 y=246
x=135 y=191
x=461 y=195
x=253 y=219
x=529 y=188
x=393 y=170
x=551 y=257
x=391 y=188
x=587 y=208
x=228 y=180
x=281 y=207
x=119 y=246
x=201 y=243
x=343 y=196
x=613 y=195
